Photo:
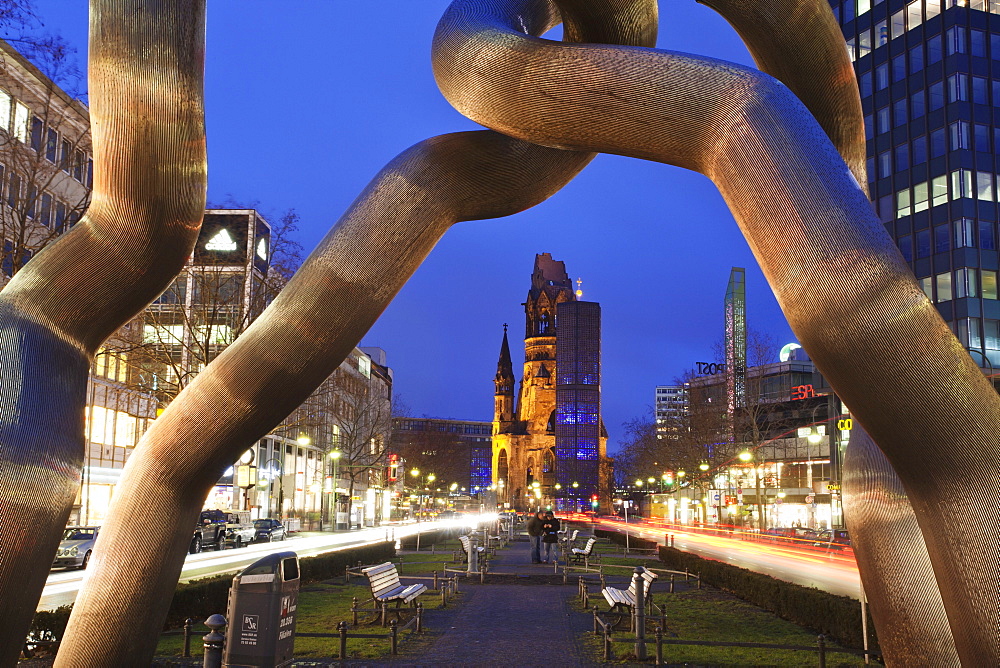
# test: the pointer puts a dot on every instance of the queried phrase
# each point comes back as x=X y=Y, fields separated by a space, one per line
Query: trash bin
x=261 y=612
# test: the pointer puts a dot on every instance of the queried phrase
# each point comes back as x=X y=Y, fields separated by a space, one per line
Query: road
x=62 y=586
x=834 y=571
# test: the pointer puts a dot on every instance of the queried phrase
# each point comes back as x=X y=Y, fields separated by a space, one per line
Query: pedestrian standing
x=534 y=527
x=550 y=538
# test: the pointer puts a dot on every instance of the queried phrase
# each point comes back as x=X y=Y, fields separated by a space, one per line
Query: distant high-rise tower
x=552 y=433
x=736 y=340
x=930 y=109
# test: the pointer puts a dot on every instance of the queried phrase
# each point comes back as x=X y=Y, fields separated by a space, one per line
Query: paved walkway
x=529 y=623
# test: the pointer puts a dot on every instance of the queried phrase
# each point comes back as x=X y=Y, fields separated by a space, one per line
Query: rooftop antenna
x=579 y=288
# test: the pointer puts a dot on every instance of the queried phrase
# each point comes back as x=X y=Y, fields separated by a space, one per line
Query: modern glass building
x=931 y=98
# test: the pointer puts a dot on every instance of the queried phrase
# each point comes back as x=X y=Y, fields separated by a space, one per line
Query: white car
x=76 y=547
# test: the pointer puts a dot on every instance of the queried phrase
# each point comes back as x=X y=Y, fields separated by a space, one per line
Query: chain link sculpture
x=772 y=149
x=146 y=64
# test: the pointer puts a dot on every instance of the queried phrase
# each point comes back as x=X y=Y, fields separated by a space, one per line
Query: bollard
x=821 y=646
x=188 y=624
x=699 y=581
x=685 y=574
x=473 y=559
x=671 y=583
x=603 y=586
x=640 y=614
x=586 y=598
x=482 y=576
x=347 y=574
x=566 y=575
x=354 y=610
x=595 y=621
x=444 y=598
x=342 y=627
x=214 y=642
x=385 y=612
x=454 y=584
x=435 y=579
x=420 y=617
x=393 y=637
x=659 y=646
x=607 y=643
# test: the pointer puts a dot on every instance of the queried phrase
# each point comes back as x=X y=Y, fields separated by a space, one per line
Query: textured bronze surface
x=840 y=280
x=299 y=340
x=895 y=568
x=146 y=61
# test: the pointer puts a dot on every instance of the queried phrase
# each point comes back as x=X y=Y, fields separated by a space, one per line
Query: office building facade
x=929 y=78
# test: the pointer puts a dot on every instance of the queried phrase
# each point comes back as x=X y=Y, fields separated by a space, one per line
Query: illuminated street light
x=638 y=482
x=703 y=466
x=303 y=439
x=745 y=456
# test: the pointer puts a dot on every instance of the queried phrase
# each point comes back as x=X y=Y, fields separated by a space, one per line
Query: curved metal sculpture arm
x=800 y=44
x=895 y=569
x=841 y=282
x=148 y=199
x=299 y=340
x=147 y=124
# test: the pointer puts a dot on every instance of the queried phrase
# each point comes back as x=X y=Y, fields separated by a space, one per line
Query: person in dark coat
x=534 y=527
x=550 y=538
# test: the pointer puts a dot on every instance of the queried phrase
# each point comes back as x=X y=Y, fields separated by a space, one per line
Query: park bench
x=578 y=554
x=467 y=547
x=567 y=539
x=621 y=600
x=386 y=587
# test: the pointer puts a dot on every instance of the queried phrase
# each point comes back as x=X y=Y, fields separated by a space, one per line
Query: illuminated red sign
x=803 y=392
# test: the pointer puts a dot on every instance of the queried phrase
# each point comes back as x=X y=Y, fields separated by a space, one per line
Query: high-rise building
x=671 y=409
x=931 y=100
x=549 y=441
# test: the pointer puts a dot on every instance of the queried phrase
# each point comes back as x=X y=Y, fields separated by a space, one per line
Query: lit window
x=989 y=284
x=943 y=282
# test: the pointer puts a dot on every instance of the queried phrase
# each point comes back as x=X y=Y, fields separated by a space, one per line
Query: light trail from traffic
x=62 y=586
x=832 y=570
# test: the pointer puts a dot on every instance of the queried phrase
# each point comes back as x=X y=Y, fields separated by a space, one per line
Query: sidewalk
x=528 y=623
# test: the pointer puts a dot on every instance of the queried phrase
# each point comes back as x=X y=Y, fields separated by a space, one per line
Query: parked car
x=209 y=532
x=76 y=547
x=240 y=530
x=837 y=539
x=269 y=530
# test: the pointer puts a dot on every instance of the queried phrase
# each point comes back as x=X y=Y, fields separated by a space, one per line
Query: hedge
x=836 y=616
x=201 y=598
x=427 y=538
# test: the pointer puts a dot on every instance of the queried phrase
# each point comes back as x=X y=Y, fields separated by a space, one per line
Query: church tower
x=503 y=396
x=528 y=434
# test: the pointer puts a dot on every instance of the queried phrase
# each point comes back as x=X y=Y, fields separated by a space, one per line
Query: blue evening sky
x=308 y=99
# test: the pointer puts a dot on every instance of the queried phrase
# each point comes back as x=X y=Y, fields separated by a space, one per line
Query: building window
x=917 y=58
x=898 y=24
x=37 y=131
x=979 y=94
x=926 y=284
x=923 y=244
x=984 y=186
x=920 y=197
x=883 y=120
x=13 y=190
x=933 y=48
x=919 y=150
x=958 y=88
x=913 y=18
x=982 y=138
x=906 y=247
x=865 y=84
x=917 y=104
x=899 y=115
x=45 y=211
x=881 y=34
x=935 y=96
x=963 y=233
x=978 y=43
x=989 y=284
x=954 y=39
x=882 y=76
x=884 y=165
x=961 y=183
x=902 y=157
x=939 y=190
x=959 y=132
x=987 y=236
x=899 y=67
x=51 y=145
x=942 y=238
x=965 y=283
x=66 y=155
x=943 y=282
x=903 y=203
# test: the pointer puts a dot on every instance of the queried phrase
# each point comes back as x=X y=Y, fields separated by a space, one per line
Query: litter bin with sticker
x=261 y=613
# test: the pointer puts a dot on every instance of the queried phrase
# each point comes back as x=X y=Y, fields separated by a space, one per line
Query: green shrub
x=619 y=538
x=836 y=616
x=201 y=598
